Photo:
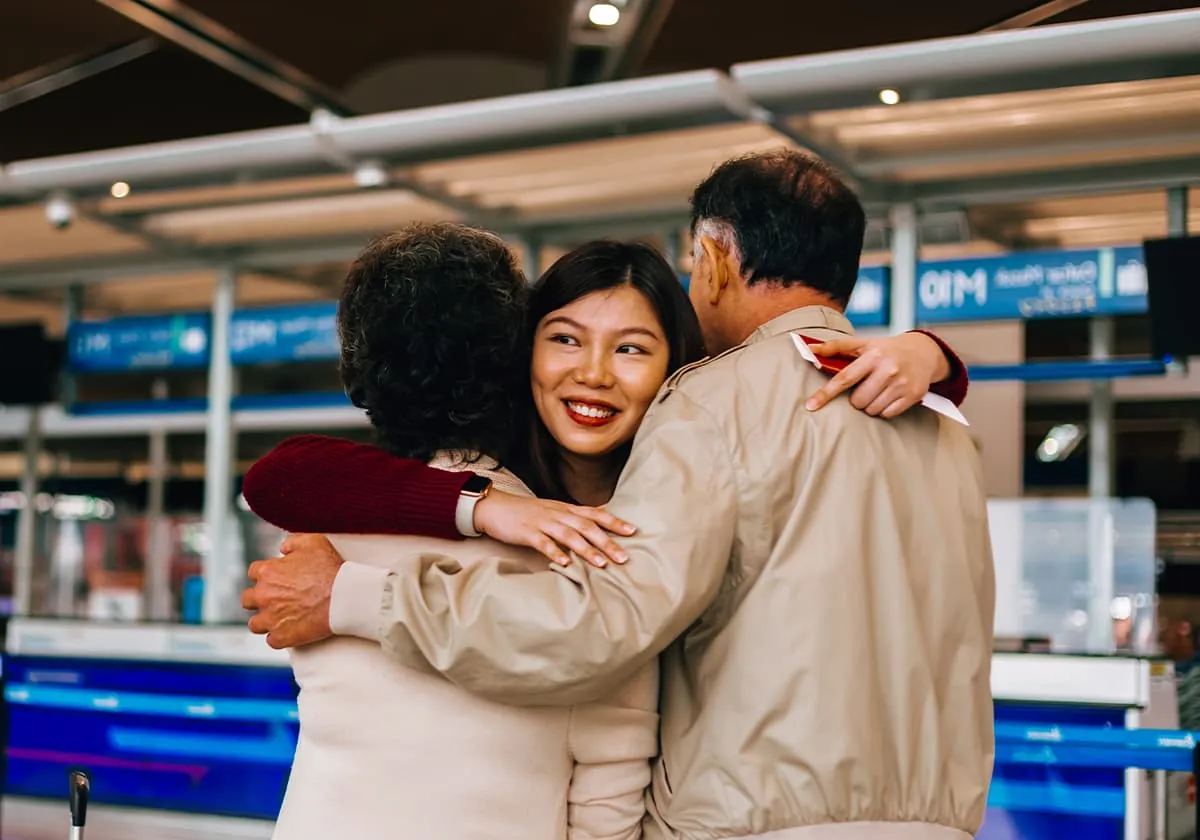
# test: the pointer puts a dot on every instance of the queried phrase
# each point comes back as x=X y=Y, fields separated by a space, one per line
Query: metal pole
x=1101 y=460
x=221 y=569
x=1177 y=211
x=1101 y=448
x=1158 y=793
x=673 y=248
x=529 y=251
x=157 y=585
x=25 y=553
x=905 y=248
x=1133 y=787
x=72 y=309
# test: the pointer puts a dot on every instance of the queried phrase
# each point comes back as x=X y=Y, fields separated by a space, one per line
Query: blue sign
x=1032 y=285
x=208 y=739
x=284 y=334
x=139 y=343
x=870 y=302
x=1109 y=281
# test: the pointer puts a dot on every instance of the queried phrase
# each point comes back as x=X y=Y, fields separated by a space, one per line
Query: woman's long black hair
x=595 y=267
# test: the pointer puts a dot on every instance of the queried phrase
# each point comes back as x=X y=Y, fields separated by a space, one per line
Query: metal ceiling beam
x=626 y=59
x=1028 y=186
x=57 y=75
x=204 y=37
x=166 y=247
x=1062 y=55
x=1037 y=14
x=699 y=97
x=896 y=166
x=284 y=255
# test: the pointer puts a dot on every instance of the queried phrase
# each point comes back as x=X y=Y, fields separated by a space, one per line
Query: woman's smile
x=597 y=364
x=590 y=413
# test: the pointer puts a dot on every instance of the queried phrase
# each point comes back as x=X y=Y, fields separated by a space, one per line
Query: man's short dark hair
x=431 y=324
x=793 y=218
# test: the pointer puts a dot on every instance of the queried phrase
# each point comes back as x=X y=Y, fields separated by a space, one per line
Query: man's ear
x=720 y=270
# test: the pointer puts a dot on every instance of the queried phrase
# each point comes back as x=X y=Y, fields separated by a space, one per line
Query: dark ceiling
x=169 y=91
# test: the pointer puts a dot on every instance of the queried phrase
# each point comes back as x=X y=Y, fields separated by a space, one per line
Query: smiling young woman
x=610 y=321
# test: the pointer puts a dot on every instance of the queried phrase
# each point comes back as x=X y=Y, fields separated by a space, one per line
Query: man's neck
x=765 y=302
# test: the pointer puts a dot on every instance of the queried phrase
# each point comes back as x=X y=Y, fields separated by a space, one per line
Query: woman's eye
x=630 y=348
x=563 y=339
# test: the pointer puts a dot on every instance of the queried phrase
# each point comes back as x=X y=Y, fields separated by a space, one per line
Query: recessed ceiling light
x=889 y=97
x=604 y=14
x=119 y=190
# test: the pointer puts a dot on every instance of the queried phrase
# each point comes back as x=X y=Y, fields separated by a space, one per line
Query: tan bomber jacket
x=820 y=585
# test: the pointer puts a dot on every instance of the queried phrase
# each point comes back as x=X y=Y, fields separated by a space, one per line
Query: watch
x=476 y=489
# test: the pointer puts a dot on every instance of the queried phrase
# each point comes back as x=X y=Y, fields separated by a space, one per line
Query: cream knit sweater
x=388 y=753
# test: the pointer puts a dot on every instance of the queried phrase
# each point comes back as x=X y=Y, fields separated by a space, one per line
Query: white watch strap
x=464 y=515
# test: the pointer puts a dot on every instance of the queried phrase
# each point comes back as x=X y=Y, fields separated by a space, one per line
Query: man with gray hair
x=819 y=584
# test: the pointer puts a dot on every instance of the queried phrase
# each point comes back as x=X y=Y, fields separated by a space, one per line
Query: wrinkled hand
x=291 y=594
x=552 y=528
x=891 y=374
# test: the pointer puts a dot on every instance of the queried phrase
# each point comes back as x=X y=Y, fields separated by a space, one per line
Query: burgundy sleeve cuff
x=436 y=505
x=954 y=387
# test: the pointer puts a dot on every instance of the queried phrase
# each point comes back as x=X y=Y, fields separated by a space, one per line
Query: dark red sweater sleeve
x=318 y=484
x=954 y=387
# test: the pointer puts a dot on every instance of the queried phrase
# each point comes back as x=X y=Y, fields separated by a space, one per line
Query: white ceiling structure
x=1058 y=136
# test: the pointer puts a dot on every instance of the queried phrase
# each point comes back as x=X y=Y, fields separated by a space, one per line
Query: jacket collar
x=805 y=318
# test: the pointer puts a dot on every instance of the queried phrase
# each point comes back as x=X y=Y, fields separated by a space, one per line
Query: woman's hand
x=553 y=528
x=891 y=374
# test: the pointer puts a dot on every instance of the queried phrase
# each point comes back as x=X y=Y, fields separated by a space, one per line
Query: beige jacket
x=386 y=752
x=821 y=584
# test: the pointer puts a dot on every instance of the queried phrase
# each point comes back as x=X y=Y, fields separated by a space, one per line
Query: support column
x=222 y=567
x=529 y=249
x=157 y=583
x=673 y=248
x=1101 y=476
x=1101 y=434
x=72 y=310
x=1177 y=211
x=905 y=251
x=26 y=542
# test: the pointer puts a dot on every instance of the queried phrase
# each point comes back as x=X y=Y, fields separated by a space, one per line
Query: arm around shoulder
x=565 y=637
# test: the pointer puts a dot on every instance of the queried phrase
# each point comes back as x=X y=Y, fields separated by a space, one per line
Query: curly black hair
x=431 y=325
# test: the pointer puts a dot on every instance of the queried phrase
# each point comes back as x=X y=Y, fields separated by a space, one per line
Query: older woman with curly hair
x=431 y=320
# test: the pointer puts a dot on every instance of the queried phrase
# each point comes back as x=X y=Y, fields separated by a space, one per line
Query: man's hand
x=552 y=528
x=291 y=594
x=891 y=374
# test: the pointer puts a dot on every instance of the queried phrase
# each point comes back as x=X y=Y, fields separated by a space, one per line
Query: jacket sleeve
x=316 y=484
x=612 y=743
x=954 y=387
x=559 y=638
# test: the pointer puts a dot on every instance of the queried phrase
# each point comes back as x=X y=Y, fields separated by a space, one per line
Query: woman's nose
x=594 y=372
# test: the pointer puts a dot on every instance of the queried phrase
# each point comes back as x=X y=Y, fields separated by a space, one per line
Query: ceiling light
x=370 y=174
x=889 y=97
x=604 y=14
x=119 y=190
